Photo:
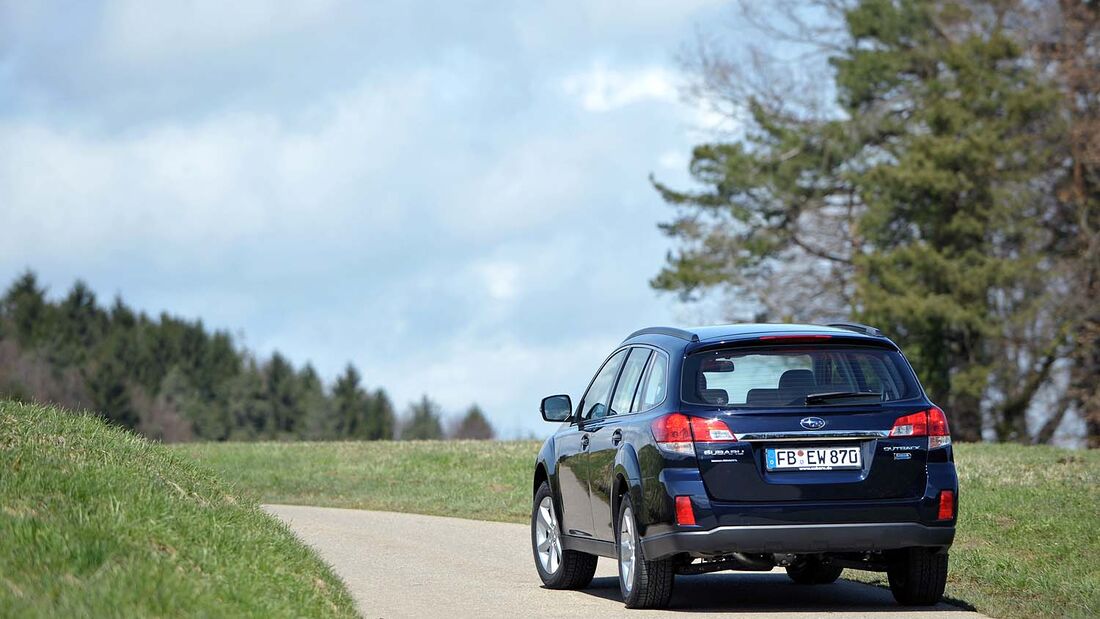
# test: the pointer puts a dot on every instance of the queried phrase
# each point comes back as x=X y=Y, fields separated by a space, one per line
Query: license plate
x=813 y=458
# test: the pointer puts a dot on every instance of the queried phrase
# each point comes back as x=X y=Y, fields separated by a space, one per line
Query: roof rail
x=858 y=328
x=671 y=331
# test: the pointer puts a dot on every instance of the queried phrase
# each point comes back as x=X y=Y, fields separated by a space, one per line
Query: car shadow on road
x=768 y=593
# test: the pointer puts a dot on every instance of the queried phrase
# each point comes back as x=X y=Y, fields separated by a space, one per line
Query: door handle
x=616 y=437
x=584 y=441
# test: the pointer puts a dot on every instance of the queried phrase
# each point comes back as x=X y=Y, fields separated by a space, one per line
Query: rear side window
x=652 y=390
x=785 y=377
x=594 y=404
x=628 y=381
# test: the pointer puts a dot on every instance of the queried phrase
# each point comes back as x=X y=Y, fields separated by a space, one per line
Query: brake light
x=673 y=434
x=795 y=337
x=685 y=515
x=931 y=423
x=947 y=505
x=678 y=433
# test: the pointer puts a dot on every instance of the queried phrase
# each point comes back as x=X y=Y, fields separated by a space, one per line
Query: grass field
x=96 y=522
x=1027 y=544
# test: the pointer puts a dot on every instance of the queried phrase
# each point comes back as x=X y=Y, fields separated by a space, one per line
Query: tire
x=918 y=576
x=813 y=572
x=644 y=584
x=558 y=568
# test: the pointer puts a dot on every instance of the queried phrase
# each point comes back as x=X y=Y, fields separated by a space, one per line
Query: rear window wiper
x=861 y=396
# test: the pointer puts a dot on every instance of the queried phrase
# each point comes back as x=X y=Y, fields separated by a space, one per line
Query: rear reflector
x=947 y=505
x=685 y=515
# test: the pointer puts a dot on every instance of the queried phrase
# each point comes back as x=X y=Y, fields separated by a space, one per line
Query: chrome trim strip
x=813 y=435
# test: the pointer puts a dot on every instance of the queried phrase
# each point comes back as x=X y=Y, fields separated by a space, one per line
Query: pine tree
x=24 y=307
x=423 y=421
x=320 y=419
x=283 y=394
x=381 y=418
x=350 y=405
x=474 y=425
x=921 y=209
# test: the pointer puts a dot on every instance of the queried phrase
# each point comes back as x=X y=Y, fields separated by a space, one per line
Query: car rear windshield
x=797 y=376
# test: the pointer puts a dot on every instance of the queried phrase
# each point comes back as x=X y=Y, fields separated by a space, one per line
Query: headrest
x=797 y=379
x=715 y=396
x=762 y=397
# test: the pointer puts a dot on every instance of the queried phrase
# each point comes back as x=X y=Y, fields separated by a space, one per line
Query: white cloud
x=426 y=198
x=501 y=279
x=602 y=89
x=137 y=31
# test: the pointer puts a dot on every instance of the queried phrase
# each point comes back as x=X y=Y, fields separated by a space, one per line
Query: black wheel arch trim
x=547 y=459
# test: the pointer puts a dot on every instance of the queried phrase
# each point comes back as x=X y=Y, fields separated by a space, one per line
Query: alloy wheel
x=626 y=550
x=548 y=537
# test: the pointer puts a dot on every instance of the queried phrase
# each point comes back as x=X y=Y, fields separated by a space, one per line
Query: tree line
x=173 y=380
x=937 y=176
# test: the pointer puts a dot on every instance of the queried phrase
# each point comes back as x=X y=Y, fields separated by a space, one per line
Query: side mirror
x=556 y=408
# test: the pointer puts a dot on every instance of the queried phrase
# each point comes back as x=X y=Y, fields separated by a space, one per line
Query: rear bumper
x=800 y=538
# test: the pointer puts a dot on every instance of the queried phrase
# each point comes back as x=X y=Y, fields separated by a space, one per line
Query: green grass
x=1027 y=544
x=465 y=479
x=97 y=522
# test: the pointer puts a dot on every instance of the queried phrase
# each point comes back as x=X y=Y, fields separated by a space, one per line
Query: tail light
x=931 y=423
x=947 y=505
x=678 y=433
x=710 y=431
x=685 y=515
x=673 y=434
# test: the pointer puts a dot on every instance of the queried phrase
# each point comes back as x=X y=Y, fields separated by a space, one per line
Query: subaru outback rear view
x=747 y=447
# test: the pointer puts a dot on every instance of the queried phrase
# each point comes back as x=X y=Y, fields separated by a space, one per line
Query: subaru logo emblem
x=812 y=423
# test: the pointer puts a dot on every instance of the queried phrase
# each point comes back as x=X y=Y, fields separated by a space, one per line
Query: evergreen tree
x=381 y=418
x=320 y=420
x=249 y=407
x=24 y=307
x=423 y=421
x=921 y=209
x=474 y=425
x=78 y=326
x=110 y=394
x=350 y=405
x=283 y=395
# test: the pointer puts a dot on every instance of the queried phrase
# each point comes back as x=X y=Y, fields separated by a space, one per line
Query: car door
x=572 y=449
x=605 y=435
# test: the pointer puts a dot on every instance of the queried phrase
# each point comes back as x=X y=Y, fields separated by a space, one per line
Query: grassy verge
x=464 y=479
x=1027 y=545
x=97 y=522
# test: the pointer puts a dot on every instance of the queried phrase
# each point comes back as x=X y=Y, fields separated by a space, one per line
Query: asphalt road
x=405 y=565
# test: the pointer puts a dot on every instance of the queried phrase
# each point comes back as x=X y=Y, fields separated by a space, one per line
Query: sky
x=452 y=196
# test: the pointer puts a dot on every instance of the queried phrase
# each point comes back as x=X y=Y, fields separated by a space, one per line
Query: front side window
x=796 y=376
x=594 y=404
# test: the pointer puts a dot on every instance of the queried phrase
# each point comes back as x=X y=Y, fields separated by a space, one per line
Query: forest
x=174 y=380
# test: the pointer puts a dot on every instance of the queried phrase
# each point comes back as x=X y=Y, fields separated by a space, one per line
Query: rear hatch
x=811 y=420
x=777 y=459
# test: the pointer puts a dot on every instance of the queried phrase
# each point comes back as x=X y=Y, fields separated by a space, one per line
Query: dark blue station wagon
x=747 y=447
